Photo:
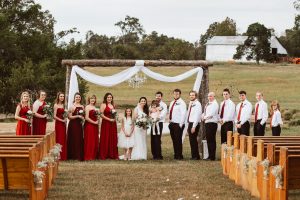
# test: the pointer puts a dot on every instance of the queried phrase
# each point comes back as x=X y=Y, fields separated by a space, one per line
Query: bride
x=139 y=151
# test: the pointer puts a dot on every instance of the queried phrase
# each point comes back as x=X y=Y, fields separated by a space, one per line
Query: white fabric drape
x=122 y=76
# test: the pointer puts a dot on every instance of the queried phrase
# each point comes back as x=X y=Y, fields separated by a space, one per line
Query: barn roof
x=239 y=40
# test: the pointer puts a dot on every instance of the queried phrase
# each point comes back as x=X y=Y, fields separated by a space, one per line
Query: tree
x=291 y=40
x=257 y=45
x=224 y=28
x=131 y=29
x=30 y=56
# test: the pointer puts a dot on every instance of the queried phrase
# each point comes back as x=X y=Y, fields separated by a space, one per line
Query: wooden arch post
x=203 y=91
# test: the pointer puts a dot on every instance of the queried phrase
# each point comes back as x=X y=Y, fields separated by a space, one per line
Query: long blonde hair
x=274 y=103
x=21 y=98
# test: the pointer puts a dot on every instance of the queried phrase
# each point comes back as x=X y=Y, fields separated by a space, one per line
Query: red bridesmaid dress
x=60 y=132
x=108 y=137
x=91 y=137
x=23 y=128
x=75 y=137
x=39 y=124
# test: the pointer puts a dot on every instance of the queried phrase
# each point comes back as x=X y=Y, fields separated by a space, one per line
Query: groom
x=156 y=139
x=177 y=118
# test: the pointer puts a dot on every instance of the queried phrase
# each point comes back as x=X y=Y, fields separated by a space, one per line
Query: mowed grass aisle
x=167 y=179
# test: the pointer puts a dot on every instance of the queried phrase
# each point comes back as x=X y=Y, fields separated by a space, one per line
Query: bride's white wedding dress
x=139 y=151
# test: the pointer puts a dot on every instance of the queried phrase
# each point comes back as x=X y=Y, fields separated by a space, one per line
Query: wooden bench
x=25 y=152
x=254 y=145
x=289 y=161
x=16 y=171
x=271 y=158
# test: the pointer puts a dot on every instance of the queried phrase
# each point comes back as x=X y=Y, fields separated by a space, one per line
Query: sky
x=185 y=19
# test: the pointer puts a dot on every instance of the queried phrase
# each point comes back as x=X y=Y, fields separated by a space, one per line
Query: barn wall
x=222 y=53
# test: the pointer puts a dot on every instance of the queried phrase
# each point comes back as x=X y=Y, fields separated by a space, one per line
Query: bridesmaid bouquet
x=81 y=112
x=143 y=122
x=29 y=116
x=48 y=110
x=65 y=115
x=114 y=114
x=97 y=113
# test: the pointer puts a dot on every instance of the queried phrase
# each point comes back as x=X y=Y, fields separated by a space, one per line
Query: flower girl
x=154 y=114
x=126 y=139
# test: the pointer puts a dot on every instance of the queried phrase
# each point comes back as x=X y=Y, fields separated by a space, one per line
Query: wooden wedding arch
x=203 y=91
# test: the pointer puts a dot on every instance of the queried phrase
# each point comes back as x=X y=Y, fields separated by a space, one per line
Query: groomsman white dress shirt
x=163 y=111
x=229 y=111
x=194 y=113
x=179 y=111
x=245 y=112
x=211 y=112
x=276 y=119
x=262 y=113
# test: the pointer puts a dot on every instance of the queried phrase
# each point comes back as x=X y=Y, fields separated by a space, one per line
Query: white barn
x=222 y=48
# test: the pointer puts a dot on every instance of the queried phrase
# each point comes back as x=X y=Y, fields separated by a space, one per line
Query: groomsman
x=177 y=117
x=156 y=139
x=227 y=113
x=243 y=114
x=193 y=120
x=211 y=118
x=260 y=115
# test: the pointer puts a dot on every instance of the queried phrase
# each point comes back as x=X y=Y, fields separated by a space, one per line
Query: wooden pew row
x=16 y=141
x=271 y=158
x=289 y=162
x=50 y=141
x=16 y=147
x=249 y=160
x=17 y=170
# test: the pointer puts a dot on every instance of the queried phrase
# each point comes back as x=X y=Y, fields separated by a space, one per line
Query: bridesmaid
x=39 y=120
x=75 y=130
x=91 y=130
x=60 y=124
x=24 y=124
x=108 y=134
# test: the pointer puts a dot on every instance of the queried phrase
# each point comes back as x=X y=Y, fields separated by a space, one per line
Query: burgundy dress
x=75 y=137
x=91 y=137
x=39 y=124
x=108 y=137
x=60 y=132
x=23 y=128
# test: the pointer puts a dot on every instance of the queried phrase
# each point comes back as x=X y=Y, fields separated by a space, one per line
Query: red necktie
x=171 y=111
x=256 y=111
x=239 y=115
x=190 y=113
x=222 y=110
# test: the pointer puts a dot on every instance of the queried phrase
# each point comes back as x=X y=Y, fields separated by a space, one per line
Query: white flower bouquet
x=114 y=114
x=38 y=179
x=143 y=121
x=47 y=109
x=29 y=116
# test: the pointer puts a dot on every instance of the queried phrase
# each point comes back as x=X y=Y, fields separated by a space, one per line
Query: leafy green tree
x=30 y=52
x=257 y=45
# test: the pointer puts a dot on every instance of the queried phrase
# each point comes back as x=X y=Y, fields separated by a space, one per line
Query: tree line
x=31 y=52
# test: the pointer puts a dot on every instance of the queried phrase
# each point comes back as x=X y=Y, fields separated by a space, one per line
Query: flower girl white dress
x=123 y=141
